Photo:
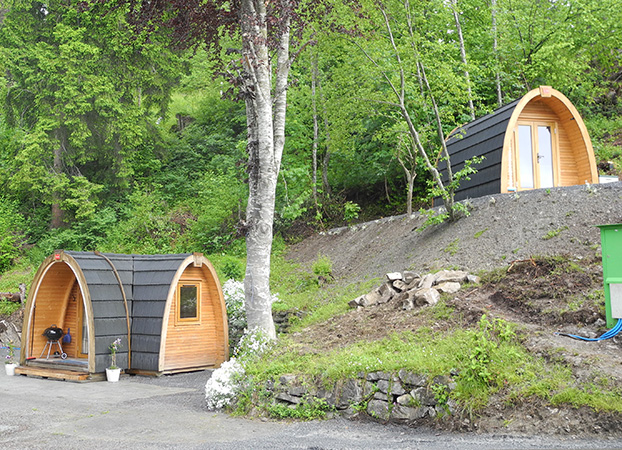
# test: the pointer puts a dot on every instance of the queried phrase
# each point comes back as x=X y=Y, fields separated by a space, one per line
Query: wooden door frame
x=555 y=157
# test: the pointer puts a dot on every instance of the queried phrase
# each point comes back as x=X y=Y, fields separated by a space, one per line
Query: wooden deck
x=75 y=370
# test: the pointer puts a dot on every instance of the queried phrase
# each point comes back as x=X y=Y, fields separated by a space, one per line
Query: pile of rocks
x=409 y=289
x=403 y=396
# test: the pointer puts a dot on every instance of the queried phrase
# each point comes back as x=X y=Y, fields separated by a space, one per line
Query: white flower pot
x=112 y=375
x=10 y=369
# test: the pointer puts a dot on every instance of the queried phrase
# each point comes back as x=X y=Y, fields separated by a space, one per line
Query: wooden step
x=58 y=374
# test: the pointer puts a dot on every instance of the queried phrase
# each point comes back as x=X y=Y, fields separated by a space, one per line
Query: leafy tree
x=80 y=87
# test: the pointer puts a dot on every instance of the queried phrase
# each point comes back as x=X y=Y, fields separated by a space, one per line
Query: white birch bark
x=454 y=7
x=495 y=50
x=265 y=110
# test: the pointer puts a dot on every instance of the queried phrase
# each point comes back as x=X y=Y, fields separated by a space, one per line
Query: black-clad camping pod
x=537 y=141
x=168 y=311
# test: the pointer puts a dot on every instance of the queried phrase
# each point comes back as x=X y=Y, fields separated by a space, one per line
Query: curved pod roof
x=494 y=137
x=103 y=297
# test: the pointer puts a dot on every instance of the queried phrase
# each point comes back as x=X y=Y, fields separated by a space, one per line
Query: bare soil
x=539 y=255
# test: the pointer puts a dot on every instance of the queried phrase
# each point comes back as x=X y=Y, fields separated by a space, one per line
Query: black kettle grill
x=53 y=335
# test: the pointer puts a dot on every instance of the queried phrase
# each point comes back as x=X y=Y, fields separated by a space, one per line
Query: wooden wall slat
x=191 y=345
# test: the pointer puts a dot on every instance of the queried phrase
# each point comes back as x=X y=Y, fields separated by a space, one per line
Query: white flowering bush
x=227 y=381
x=222 y=388
x=233 y=292
x=252 y=344
x=234 y=299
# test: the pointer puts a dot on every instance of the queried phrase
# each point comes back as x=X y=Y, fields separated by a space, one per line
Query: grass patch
x=8 y=308
x=479 y=233
x=489 y=359
x=24 y=272
x=591 y=396
x=551 y=234
x=453 y=247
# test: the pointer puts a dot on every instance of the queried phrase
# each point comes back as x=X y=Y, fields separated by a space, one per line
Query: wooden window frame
x=187 y=320
x=535 y=148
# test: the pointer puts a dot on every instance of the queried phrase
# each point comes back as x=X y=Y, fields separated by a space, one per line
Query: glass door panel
x=545 y=156
x=525 y=157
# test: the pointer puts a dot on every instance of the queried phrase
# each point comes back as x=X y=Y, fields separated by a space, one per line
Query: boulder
x=409 y=276
x=412 y=379
x=400 y=285
x=427 y=281
x=406 y=300
x=405 y=400
x=456 y=276
x=390 y=387
x=297 y=391
x=423 y=396
x=394 y=276
x=386 y=292
x=351 y=394
x=474 y=279
x=285 y=397
x=378 y=409
x=356 y=302
x=426 y=296
x=448 y=287
x=406 y=413
x=371 y=299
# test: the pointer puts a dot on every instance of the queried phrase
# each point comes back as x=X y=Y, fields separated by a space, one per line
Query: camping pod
x=167 y=310
x=537 y=141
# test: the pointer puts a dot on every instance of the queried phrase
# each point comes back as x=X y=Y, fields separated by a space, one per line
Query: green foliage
x=592 y=396
x=79 y=87
x=310 y=408
x=551 y=234
x=8 y=308
x=351 y=211
x=12 y=226
x=233 y=268
x=145 y=226
x=453 y=247
x=479 y=233
x=323 y=267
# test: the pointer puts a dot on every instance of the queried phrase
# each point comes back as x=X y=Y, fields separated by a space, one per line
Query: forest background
x=121 y=140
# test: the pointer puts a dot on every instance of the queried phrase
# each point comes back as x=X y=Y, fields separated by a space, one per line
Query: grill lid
x=53 y=333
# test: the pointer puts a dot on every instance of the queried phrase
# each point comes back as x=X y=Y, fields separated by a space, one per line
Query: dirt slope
x=543 y=295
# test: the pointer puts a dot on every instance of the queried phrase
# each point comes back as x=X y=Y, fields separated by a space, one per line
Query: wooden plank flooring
x=58 y=374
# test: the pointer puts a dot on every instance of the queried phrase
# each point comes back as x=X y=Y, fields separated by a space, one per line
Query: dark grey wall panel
x=110 y=327
x=149 y=309
x=109 y=309
x=146 y=326
x=145 y=361
x=145 y=343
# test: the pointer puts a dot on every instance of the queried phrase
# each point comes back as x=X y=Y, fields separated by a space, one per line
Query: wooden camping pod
x=102 y=297
x=537 y=141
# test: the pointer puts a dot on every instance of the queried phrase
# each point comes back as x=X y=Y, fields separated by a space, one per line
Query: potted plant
x=10 y=364
x=113 y=372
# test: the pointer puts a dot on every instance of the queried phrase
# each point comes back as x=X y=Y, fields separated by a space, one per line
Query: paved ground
x=169 y=412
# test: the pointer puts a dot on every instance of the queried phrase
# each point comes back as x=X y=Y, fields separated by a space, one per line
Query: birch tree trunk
x=495 y=50
x=265 y=116
x=454 y=7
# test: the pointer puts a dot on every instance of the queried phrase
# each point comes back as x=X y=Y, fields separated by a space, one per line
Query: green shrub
x=323 y=267
x=12 y=227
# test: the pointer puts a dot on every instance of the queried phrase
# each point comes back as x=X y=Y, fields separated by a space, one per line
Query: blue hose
x=607 y=335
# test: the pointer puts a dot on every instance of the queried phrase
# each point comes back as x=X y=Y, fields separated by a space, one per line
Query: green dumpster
x=611 y=241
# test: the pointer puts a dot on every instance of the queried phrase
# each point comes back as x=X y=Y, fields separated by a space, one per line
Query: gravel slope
x=500 y=229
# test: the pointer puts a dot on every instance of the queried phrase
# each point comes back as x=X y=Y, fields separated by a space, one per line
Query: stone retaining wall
x=404 y=396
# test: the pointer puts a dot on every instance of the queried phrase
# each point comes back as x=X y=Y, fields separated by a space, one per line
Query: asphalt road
x=169 y=412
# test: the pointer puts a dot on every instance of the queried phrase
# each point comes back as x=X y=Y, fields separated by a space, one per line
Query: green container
x=611 y=241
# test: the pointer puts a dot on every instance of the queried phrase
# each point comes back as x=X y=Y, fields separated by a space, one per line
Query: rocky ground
x=539 y=255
